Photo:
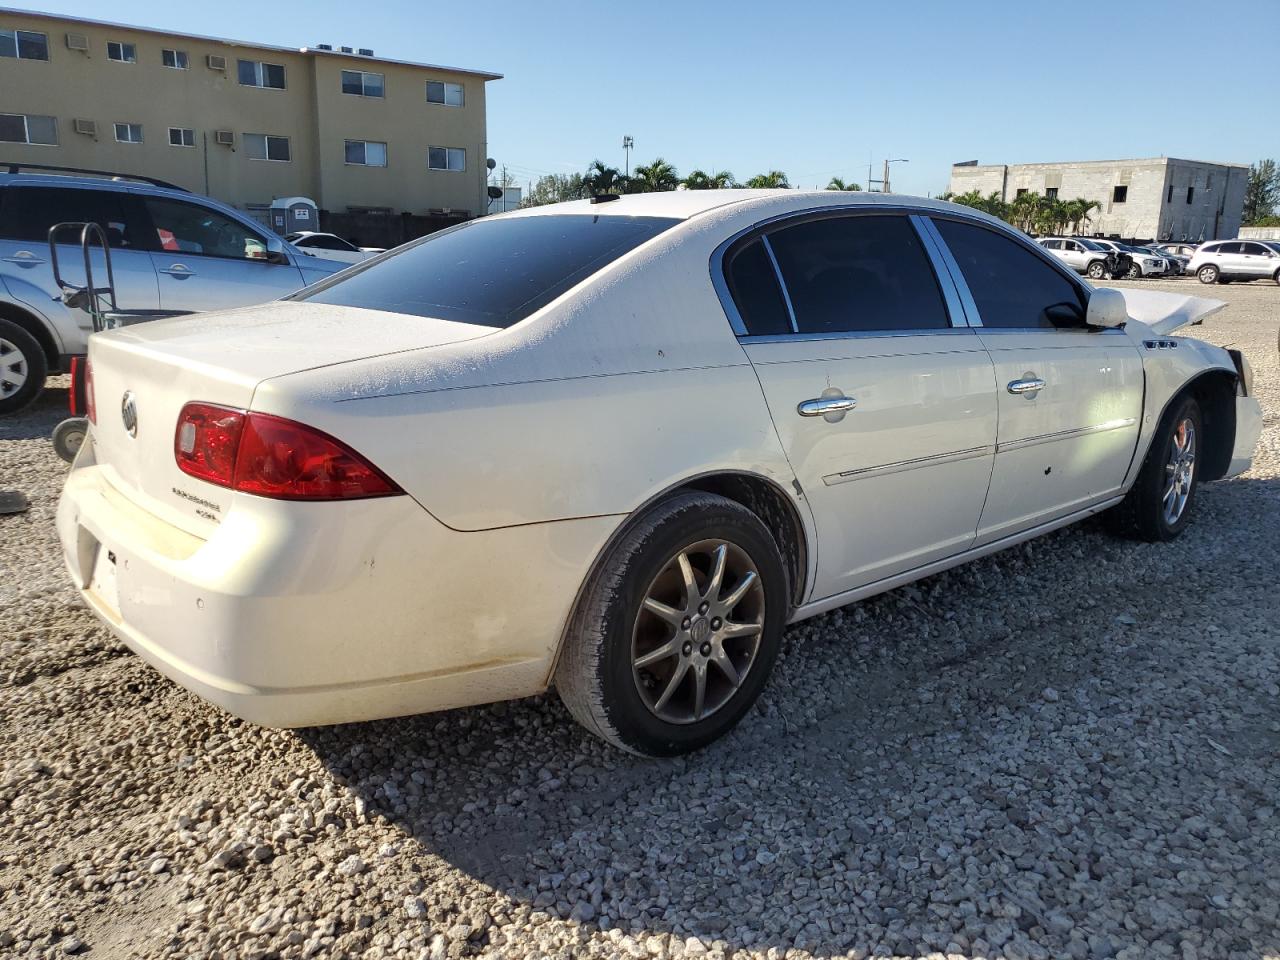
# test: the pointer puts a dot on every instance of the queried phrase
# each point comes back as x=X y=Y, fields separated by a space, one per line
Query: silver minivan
x=1227 y=260
x=170 y=251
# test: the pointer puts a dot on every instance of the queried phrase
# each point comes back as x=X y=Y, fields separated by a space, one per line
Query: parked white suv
x=1225 y=260
x=1082 y=256
x=1143 y=264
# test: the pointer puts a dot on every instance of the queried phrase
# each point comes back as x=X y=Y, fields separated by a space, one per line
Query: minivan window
x=754 y=285
x=858 y=274
x=491 y=272
x=27 y=213
x=1012 y=287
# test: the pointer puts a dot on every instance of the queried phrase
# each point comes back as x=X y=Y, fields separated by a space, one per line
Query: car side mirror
x=276 y=252
x=1107 y=309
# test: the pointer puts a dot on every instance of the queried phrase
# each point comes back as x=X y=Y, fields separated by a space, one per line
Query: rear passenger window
x=1012 y=287
x=28 y=212
x=855 y=274
x=754 y=285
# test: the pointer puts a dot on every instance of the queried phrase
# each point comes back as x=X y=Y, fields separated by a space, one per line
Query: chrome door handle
x=821 y=406
x=29 y=260
x=179 y=270
x=1029 y=385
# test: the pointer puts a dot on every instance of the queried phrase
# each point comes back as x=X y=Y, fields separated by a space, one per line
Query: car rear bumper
x=1248 y=431
x=297 y=614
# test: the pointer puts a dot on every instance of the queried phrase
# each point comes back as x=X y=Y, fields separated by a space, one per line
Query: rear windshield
x=490 y=272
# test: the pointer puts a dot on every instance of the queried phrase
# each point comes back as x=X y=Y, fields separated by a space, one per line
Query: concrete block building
x=244 y=122
x=1161 y=198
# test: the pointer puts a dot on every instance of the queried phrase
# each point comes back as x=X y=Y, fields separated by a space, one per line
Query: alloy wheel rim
x=697 y=634
x=13 y=368
x=1179 y=471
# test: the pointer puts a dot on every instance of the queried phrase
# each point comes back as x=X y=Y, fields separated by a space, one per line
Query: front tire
x=1135 y=272
x=1158 y=508
x=1097 y=270
x=1208 y=274
x=677 y=631
x=23 y=368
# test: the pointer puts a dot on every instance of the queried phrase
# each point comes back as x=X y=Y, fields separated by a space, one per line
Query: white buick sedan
x=615 y=447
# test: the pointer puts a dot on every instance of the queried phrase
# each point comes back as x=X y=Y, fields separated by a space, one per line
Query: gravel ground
x=1071 y=749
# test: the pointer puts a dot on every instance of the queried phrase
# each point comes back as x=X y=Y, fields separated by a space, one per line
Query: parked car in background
x=331 y=247
x=1141 y=264
x=1085 y=256
x=494 y=461
x=1176 y=263
x=1181 y=247
x=1223 y=261
x=170 y=250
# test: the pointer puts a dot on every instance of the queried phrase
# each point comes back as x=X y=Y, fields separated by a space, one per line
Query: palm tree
x=656 y=176
x=836 y=183
x=1023 y=210
x=722 y=180
x=773 y=180
x=603 y=179
x=1078 y=211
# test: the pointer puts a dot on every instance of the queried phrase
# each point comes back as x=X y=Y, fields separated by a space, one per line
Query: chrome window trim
x=782 y=283
x=851 y=335
x=761 y=227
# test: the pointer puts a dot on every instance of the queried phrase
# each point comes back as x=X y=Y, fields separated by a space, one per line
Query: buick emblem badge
x=129 y=412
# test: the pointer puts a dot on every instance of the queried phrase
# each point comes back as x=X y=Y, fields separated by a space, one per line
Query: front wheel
x=1208 y=274
x=1159 y=506
x=1135 y=272
x=678 y=630
x=1097 y=270
x=22 y=367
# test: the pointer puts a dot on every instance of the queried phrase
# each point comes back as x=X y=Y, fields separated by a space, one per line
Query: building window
x=1119 y=194
x=367 y=153
x=177 y=59
x=255 y=73
x=450 y=94
x=24 y=45
x=1191 y=193
x=122 y=52
x=28 y=128
x=1169 y=196
x=261 y=146
x=361 y=84
x=182 y=137
x=1051 y=193
x=1020 y=191
x=446 y=158
x=129 y=132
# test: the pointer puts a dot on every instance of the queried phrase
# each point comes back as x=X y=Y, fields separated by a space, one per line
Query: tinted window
x=491 y=272
x=1229 y=248
x=326 y=243
x=1255 y=249
x=1010 y=284
x=29 y=212
x=754 y=285
x=188 y=228
x=1052 y=244
x=858 y=273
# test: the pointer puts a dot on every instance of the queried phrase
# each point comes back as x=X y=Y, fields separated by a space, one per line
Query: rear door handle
x=1027 y=385
x=822 y=406
x=24 y=259
x=179 y=270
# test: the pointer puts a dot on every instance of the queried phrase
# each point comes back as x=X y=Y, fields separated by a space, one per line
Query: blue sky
x=812 y=88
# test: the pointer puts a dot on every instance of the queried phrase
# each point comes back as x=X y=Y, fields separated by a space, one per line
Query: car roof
x=76 y=181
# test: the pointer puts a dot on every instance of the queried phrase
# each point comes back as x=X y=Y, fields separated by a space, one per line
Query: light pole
x=627 y=144
x=884 y=184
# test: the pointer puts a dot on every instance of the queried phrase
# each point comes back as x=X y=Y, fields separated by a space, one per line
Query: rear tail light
x=90 y=408
x=272 y=457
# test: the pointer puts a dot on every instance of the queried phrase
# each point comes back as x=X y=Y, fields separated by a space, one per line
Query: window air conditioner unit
x=224 y=138
x=347 y=50
x=366 y=52
x=88 y=127
x=216 y=63
x=324 y=46
x=77 y=41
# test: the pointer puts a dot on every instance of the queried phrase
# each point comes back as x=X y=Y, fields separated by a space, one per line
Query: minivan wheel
x=677 y=631
x=1097 y=270
x=1159 y=506
x=22 y=367
x=1207 y=274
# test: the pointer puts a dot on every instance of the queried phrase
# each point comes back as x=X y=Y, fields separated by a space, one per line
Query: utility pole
x=884 y=184
x=627 y=144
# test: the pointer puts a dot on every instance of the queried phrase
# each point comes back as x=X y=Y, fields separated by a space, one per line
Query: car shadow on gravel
x=1063 y=750
x=45 y=412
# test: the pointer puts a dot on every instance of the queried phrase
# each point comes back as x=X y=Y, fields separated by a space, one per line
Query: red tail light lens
x=90 y=408
x=272 y=457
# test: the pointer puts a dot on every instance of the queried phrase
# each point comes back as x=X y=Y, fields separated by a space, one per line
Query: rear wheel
x=1097 y=270
x=22 y=367
x=678 y=630
x=1208 y=274
x=1159 y=505
x=1276 y=277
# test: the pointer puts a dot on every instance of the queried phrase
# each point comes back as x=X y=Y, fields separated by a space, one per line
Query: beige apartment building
x=245 y=123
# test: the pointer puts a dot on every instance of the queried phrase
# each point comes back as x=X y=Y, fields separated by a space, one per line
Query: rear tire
x=1159 y=506
x=1097 y=270
x=1276 y=277
x=23 y=368
x=656 y=667
x=1208 y=274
